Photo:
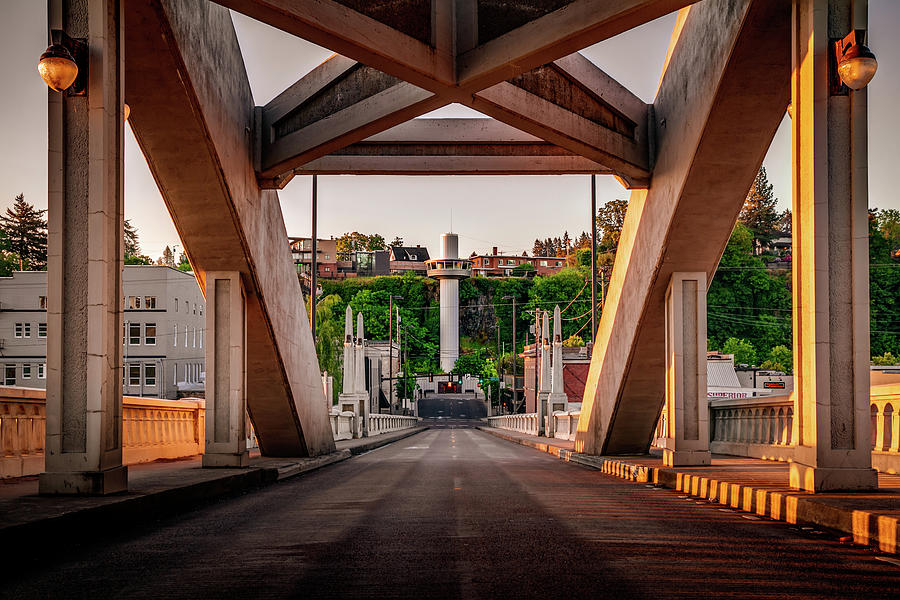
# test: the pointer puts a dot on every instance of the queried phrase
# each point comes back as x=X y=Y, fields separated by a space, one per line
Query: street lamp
x=391 y=349
x=856 y=64
x=515 y=393
x=63 y=65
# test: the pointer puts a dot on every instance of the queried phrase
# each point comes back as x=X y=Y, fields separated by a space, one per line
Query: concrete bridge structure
x=689 y=158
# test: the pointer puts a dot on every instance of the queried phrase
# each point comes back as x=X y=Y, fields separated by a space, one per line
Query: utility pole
x=515 y=392
x=391 y=350
x=593 y=258
x=313 y=266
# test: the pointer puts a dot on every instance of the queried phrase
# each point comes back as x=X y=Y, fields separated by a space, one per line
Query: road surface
x=457 y=513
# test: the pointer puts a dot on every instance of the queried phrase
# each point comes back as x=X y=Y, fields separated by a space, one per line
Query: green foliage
x=523 y=269
x=25 y=234
x=780 y=358
x=744 y=352
x=133 y=254
x=746 y=300
x=573 y=341
x=330 y=340
x=884 y=285
x=350 y=242
x=610 y=219
x=885 y=360
x=560 y=289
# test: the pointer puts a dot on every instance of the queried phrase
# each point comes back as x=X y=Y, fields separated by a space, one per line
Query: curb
x=867 y=528
x=142 y=508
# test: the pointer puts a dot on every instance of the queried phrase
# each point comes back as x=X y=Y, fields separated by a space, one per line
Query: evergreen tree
x=398 y=241
x=132 y=245
x=25 y=230
x=759 y=214
x=785 y=223
x=538 y=248
x=167 y=259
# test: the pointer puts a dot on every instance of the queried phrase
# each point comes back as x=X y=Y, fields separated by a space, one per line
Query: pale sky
x=508 y=212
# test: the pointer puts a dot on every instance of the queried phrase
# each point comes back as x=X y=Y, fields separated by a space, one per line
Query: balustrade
x=523 y=423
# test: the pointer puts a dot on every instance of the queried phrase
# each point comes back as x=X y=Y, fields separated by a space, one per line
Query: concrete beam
x=339 y=27
x=720 y=102
x=452 y=146
x=575 y=105
x=575 y=26
x=192 y=114
x=338 y=103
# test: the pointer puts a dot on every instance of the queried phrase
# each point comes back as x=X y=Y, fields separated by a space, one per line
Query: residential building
x=326 y=256
x=408 y=258
x=501 y=265
x=163 y=331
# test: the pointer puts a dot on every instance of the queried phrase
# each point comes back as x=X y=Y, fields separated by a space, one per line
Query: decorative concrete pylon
x=359 y=362
x=544 y=384
x=349 y=353
x=831 y=426
x=557 y=399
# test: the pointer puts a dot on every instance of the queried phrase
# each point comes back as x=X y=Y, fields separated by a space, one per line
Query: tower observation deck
x=449 y=269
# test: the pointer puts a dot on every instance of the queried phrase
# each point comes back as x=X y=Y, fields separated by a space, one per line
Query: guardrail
x=343 y=424
x=152 y=429
x=565 y=424
x=387 y=423
x=523 y=423
x=754 y=427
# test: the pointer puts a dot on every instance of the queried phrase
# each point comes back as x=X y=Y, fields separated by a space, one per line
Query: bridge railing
x=152 y=429
x=343 y=424
x=523 y=423
x=387 y=423
x=565 y=424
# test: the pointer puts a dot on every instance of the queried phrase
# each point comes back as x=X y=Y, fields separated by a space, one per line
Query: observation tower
x=449 y=269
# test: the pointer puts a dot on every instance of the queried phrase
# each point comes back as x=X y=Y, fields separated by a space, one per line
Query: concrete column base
x=88 y=483
x=824 y=479
x=224 y=460
x=685 y=458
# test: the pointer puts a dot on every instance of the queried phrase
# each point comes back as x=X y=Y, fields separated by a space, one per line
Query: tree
x=398 y=241
x=610 y=220
x=744 y=352
x=573 y=341
x=330 y=340
x=133 y=254
x=888 y=221
x=167 y=259
x=781 y=358
x=183 y=263
x=785 y=222
x=25 y=231
x=538 y=248
x=758 y=213
x=355 y=241
x=522 y=270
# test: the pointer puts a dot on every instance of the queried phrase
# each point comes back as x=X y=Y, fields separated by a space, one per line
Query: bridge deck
x=457 y=513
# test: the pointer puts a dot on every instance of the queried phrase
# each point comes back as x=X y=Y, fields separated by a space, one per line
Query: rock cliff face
x=477 y=319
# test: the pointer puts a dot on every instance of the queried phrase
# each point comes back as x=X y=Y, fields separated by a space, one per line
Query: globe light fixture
x=63 y=65
x=57 y=68
x=856 y=64
x=127 y=110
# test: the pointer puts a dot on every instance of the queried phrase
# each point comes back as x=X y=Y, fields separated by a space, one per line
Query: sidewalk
x=752 y=485
x=154 y=490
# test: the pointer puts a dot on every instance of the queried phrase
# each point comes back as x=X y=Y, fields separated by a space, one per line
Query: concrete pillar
x=687 y=409
x=85 y=253
x=543 y=393
x=226 y=376
x=349 y=352
x=557 y=399
x=830 y=258
x=449 y=307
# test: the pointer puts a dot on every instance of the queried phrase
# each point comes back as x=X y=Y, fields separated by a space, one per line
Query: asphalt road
x=457 y=513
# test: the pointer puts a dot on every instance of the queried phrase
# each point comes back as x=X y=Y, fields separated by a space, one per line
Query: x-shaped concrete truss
x=513 y=60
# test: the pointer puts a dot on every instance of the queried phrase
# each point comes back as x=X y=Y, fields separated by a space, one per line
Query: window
x=185 y=335
x=150 y=375
x=134 y=302
x=543 y=263
x=134 y=334
x=175 y=374
x=195 y=337
x=26 y=371
x=201 y=310
x=150 y=334
x=43 y=302
x=176 y=304
x=328 y=269
x=327 y=257
x=9 y=375
x=201 y=338
x=559 y=263
x=175 y=336
x=26 y=330
x=42 y=374
x=42 y=330
x=187 y=307
x=18 y=330
x=195 y=308
x=134 y=374
x=150 y=302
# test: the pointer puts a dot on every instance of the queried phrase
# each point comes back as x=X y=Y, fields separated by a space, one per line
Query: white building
x=163 y=331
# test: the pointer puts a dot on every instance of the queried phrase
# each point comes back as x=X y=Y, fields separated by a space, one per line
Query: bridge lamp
x=63 y=65
x=856 y=64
